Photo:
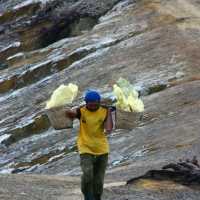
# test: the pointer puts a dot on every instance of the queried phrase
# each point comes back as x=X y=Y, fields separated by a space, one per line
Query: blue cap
x=92 y=95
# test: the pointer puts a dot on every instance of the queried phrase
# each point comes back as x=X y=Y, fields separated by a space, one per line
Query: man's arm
x=108 y=124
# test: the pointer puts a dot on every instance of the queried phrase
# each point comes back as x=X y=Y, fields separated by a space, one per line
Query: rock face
x=153 y=44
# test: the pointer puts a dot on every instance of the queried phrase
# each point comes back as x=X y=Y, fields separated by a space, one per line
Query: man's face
x=93 y=106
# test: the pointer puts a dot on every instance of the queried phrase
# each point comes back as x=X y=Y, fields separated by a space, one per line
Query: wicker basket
x=58 y=118
x=127 y=120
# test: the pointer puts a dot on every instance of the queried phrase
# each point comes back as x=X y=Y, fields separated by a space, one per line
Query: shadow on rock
x=183 y=172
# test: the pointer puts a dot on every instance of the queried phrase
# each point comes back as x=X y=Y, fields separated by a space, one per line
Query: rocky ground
x=17 y=187
x=153 y=44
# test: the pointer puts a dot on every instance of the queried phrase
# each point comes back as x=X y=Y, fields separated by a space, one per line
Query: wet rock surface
x=153 y=44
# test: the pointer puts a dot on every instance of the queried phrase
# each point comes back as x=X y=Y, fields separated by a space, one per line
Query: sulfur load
x=127 y=97
x=64 y=94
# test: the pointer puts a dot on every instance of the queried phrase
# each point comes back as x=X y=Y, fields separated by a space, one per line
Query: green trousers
x=92 y=180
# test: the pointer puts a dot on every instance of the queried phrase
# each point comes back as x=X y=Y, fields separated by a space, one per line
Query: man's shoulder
x=82 y=107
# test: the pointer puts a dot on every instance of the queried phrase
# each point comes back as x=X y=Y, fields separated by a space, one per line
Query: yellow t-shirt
x=92 y=138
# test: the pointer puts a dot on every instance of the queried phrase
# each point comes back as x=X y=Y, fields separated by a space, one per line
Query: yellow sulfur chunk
x=121 y=99
x=63 y=95
x=135 y=104
x=127 y=97
x=127 y=88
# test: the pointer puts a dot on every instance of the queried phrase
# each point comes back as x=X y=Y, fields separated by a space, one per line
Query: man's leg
x=99 y=173
x=86 y=161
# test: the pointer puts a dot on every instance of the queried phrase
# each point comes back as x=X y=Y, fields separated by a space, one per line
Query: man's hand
x=71 y=114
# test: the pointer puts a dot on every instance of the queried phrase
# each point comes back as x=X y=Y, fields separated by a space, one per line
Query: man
x=95 y=123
